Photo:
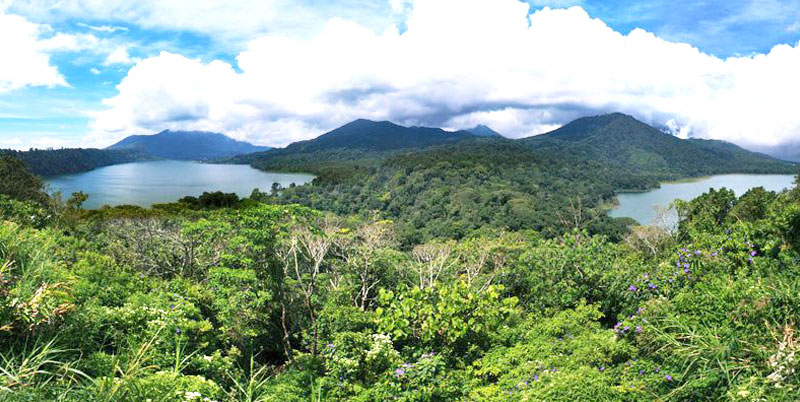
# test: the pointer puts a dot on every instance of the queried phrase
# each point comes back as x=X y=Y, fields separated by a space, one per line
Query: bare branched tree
x=431 y=260
x=314 y=246
x=573 y=216
x=648 y=239
x=361 y=252
x=286 y=253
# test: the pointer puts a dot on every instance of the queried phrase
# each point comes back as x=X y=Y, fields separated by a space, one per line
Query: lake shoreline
x=155 y=182
x=641 y=205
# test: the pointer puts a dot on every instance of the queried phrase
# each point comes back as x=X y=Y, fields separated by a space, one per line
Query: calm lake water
x=148 y=183
x=644 y=206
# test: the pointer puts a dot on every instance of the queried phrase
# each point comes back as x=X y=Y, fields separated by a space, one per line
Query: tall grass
x=37 y=366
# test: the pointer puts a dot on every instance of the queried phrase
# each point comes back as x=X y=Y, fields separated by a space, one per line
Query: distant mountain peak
x=377 y=135
x=187 y=145
x=484 y=131
x=620 y=139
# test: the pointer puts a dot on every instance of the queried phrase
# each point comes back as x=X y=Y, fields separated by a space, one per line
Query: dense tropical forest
x=501 y=280
x=53 y=162
x=550 y=183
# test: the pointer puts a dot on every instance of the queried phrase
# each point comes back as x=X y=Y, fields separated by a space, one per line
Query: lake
x=644 y=206
x=148 y=183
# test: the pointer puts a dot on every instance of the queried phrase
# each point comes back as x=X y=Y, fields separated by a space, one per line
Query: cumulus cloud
x=23 y=55
x=458 y=63
x=118 y=56
x=25 y=51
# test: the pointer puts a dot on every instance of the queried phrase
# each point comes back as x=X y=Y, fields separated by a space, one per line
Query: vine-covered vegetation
x=216 y=298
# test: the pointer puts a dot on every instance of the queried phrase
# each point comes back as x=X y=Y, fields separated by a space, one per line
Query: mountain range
x=615 y=139
x=186 y=145
x=623 y=141
x=378 y=136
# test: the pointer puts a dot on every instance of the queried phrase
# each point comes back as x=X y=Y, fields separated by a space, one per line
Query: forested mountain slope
x=356 y=144
x=72 y=160
x=186 y=145
x=621 y=140
x=560 y=179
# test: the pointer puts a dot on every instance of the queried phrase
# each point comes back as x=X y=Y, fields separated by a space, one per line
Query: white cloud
x=228 y=21
x=61 y=42
x=118 y=56
x=103 y=28
x=39 y=140
x=23 y=55
x=555 y=3
x=459 y=63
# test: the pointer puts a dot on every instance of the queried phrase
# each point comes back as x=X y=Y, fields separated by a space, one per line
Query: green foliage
x=280 y=302
x=449 y=318
x=18 y=183
x=550 y=183
x=65 y=161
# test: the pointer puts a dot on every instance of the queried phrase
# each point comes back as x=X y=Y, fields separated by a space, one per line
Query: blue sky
x=94 y=46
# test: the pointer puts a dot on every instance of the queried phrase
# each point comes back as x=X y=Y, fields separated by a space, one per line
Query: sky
x=87 y=73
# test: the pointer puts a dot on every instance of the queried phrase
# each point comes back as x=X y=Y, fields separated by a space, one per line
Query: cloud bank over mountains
x=455 y=64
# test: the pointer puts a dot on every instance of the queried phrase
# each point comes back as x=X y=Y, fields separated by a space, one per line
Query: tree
x=19 y=183
x=77 y=199
x=302 y=254
x=364 y=252
x=431 y=260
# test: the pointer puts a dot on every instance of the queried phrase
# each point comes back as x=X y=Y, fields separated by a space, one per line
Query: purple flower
x=627 y=328
x=658 y=369
x=536 y=377
x=753 y=253
x=652 y=286
x=638 y=329
x=698 y=252
x=686 y=266
x=750 y=260
x=633 y=288
x=646 y=275
x=602 y=368
x=668 y=377
x=399 y=372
